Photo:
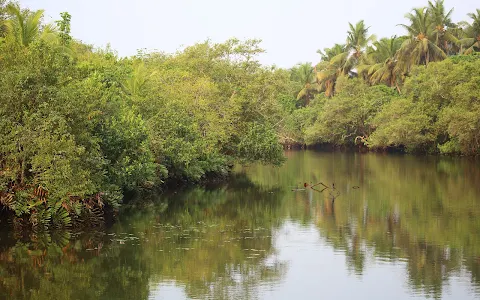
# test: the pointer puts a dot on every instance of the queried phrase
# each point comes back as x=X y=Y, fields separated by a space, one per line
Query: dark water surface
x=400 y=227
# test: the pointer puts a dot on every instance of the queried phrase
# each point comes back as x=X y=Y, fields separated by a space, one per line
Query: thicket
x=81 y=126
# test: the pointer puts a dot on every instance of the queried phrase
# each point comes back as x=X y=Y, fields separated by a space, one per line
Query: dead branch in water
x=333 y=194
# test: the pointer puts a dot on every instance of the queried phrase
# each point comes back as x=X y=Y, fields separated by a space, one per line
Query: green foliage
x=299 y=121
x=64 y=28
x=69 y=143
x=214 y=93
x=78 y=130
x=349 y=114
x=401 y=123
x=179 y=144
x=304 y=75
x=449 y=92
x=437 y=111
x=260 y=144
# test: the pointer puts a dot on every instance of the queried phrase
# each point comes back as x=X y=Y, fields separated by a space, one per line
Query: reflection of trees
x=49 y=266
x=217 y=241
x=213 y=242
x=421 y=210
x=220 y=240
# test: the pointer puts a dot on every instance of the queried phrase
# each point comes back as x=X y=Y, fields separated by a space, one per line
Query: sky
x=291 y=30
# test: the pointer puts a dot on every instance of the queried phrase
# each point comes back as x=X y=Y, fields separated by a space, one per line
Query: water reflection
x=413 y=225
x=421 y=210
x=213 y=243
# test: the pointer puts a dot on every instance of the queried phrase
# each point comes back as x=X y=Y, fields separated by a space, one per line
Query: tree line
x=417 y=92
x=81 y=126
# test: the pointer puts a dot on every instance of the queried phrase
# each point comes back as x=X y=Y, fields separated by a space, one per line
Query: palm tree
x=439 y=17
x=346 y=57
x=358 y=41
x=380 y=63
x=420 y=48
x=330 y=67
x=25 y=27
x=443 y=27
x=328 y=72
x=305 y=74
x=472 y=32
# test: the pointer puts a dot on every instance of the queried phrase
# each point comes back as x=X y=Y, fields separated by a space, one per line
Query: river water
x=374 y=227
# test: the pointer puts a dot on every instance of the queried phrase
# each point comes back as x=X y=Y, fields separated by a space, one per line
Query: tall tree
x=440 y=17
x=330 y=67
x=344 y=62
x=358 y=41
x=442 y=26
x=420 y=48
x=64 y=28
x=327 y=73
x=472 y=31
x=305 y=75
x=380 y=63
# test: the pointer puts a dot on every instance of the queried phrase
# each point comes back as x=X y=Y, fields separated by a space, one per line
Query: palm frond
x=302 y=93
x=50 y=34
x=31 y=27
x=467 y=42
x=339 y=59
x=471 y=49
x=23 y=27
x=325 y=75
x=438 y=53
x=448 y=36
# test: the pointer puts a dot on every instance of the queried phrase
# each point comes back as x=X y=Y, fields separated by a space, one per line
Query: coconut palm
x=440 y=17
x=420 y=47
x=346 y=57
x=305 y=74
x=24 y=27
x=443 y=27
x=328 y=72
x=358 y=41
x=472 y=31
x=358 y=38
x=380 y=63
x=331 y=66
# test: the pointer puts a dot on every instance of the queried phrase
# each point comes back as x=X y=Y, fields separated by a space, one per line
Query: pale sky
x=291 y=30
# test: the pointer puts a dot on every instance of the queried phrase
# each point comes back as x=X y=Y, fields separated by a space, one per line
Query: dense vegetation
x=418 y=92
x=80 y=126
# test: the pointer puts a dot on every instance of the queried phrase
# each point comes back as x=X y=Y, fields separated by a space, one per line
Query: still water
x=400 y=227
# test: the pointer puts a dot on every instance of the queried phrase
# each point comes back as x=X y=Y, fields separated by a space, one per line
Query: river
x=368 y=226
